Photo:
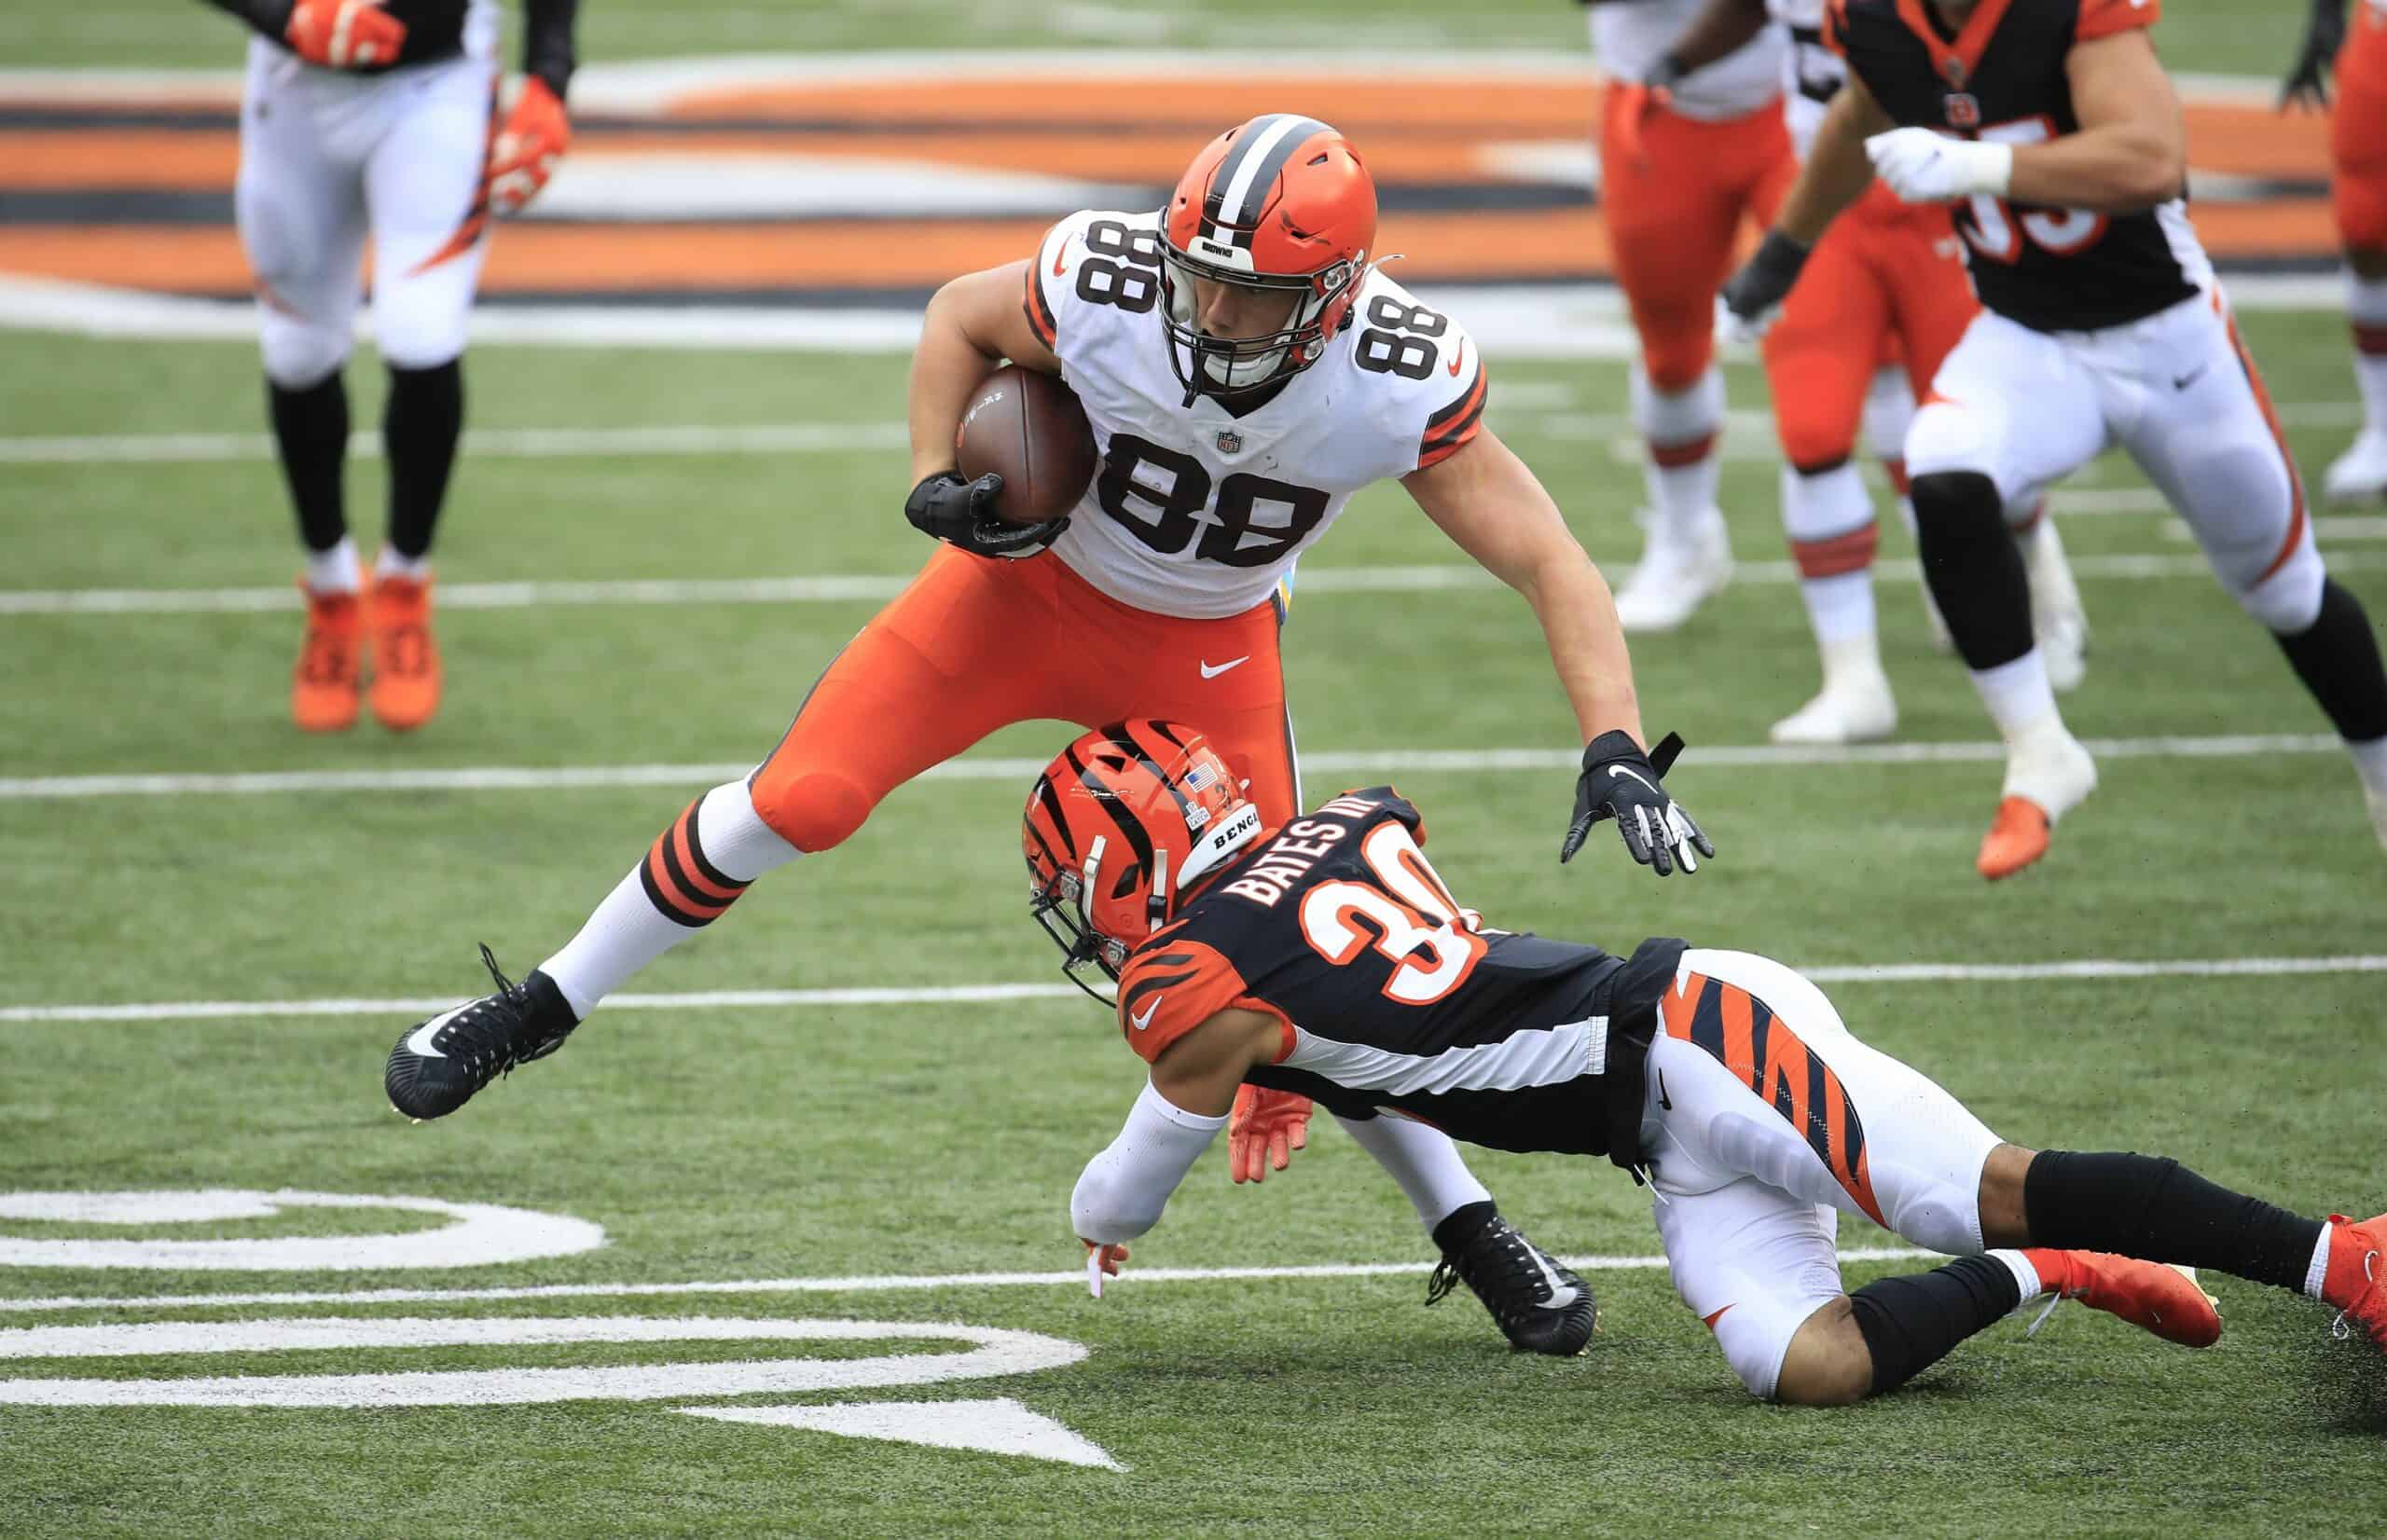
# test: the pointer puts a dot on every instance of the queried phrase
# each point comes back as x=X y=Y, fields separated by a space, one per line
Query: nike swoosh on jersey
x=1144 y=1018
x=1058 y=257
x=1209 y=672
x=1457 y=356
x=1561 y=1295
x=419 y=1040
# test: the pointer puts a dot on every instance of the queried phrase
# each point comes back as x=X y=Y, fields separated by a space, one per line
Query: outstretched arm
x=1494 y=508
x=1123 y=1191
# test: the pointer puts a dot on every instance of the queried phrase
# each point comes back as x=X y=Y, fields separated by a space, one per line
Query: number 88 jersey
x=1196 y=511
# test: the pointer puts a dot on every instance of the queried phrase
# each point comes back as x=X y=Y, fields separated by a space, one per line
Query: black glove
x=2308 y=83
x=1753 y=295
x=1621 y=782
x=962 y=512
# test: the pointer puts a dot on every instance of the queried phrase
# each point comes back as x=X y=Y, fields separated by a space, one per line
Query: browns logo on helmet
x=1116 y=827
x=1280 y=204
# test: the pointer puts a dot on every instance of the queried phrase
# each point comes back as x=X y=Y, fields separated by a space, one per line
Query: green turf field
x=910 y=1162
x=2227 y=36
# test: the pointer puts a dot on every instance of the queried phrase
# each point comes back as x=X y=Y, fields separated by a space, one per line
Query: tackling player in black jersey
x=2051 y=127
x=1327 y=956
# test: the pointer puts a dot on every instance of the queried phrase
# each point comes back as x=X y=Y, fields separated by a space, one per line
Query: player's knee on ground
x=814 y=810
x=1827 y=1363
x=1781 y=1349
x=300 y=354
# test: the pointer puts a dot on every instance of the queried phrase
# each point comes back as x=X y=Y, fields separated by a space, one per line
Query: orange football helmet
x=1117 y=826
x=1281 y=203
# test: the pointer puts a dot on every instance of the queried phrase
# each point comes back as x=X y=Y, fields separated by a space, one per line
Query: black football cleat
x=440 y=1062
x=1540 y=1305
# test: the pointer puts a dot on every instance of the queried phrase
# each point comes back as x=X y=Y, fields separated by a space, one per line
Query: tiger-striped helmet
x=1115 y=828
x=1281 y=203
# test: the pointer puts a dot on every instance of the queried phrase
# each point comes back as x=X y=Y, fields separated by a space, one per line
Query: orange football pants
x=972 y=645
x=1886 y=282
x=1674 y=191
x=2358 y=134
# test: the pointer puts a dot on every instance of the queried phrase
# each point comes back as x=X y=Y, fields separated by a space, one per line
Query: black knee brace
x=1973 y=566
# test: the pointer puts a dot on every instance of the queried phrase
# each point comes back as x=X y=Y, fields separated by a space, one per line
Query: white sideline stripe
x=1072 y=1278
x=2086 y=968
x=856 y=587
x=1545 y=401
x=1351 y=761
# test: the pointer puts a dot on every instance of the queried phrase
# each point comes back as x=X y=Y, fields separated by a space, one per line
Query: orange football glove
x=1264 y=1131
x=344 y=35
x=524 y=153
x=1101 y=1261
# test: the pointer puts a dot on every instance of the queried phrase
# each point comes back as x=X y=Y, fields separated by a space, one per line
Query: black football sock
x=1464 y=1224
x=2159 y=1211
x=420 y=426
x=1911 y=1322
x=310 y=432
x=2338 y=659
x=1973 y=566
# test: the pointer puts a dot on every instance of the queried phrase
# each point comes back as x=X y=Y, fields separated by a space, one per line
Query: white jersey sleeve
x=1630 y=39
x=1421 y=377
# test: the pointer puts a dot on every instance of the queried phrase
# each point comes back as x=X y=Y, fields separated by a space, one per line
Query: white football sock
x=1830 y=520
x=391 y=564
x=629 y=931
x=2318 y=1268
x=2367 y=308
x=2370 y=763
x=1889 y=412
x=336 y=571
x=2017 y=694
x=1423 y=1161
x=2026 y=1277
x=1680 y=431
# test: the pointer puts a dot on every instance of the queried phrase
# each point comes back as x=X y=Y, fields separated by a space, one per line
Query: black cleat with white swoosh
x=439 y=1064
x=1538 y=1304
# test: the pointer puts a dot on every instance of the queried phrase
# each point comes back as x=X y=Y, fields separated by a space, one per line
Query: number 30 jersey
x=1388 y=994
x=1195 y=510
x=2001 y=77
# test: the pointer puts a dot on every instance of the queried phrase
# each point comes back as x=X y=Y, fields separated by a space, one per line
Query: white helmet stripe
x=1253 y=169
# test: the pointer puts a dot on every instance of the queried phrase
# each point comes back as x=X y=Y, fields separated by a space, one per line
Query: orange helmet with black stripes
x=1116 y=828
x=1282 y=204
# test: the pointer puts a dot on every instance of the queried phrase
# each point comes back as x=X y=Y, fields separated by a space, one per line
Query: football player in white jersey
x=1244 y=368
x=380 y=121
x=1687 y=157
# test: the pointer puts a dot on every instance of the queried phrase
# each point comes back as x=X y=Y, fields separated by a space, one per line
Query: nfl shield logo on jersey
x=1964 y=110
x=1230 y=442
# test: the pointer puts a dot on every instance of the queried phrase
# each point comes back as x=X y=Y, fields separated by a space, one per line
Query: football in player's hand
x=1028 y=429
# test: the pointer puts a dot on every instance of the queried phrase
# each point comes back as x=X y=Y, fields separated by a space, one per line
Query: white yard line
x=800 y=1000
x=1068 y=1278
x=1353 y=762
x=847 y=588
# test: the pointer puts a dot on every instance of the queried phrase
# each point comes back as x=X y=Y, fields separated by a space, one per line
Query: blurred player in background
x=1886 y=283
x=1327 y=956
x=2053 y=127
x=2358 y=184
x=380 y=121
x=1686 y=157
x=1245 y=367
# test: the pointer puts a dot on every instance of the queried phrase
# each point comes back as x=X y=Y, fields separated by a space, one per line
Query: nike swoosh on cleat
x=1144 y=1018
x=419 y=1040
x=1561 y=1295
x=1208 y=672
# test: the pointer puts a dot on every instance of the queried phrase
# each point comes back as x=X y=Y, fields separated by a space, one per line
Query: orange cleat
x=322 y=688
x=2017 y=837
x=2166 y=1301
x=406 y=674
x=2355 y=1280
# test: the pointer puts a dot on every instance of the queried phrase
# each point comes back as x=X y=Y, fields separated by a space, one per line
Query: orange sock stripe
x=1675 y=457
x=1896 y=471
x=697 y=874
x=1841 y=553
x=679 y=881
x=2370 y=341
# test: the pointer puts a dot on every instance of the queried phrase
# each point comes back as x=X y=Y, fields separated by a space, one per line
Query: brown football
x=1028 y=429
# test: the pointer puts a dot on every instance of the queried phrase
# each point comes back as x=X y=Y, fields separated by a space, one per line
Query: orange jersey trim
x=1450 y=430
x=1168 y=989
x=1971 y=40
x=2108 y=17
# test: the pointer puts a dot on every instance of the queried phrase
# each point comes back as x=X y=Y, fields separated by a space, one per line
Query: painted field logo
x=476 y=1235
